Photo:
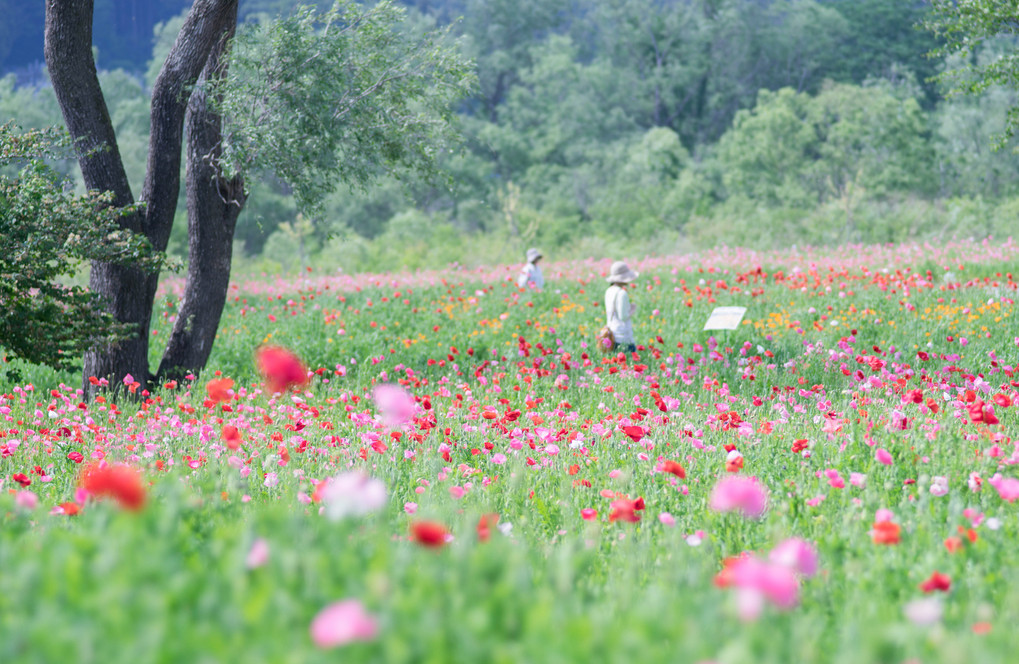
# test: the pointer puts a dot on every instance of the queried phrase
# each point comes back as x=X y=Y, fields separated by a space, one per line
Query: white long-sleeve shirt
x=617 y=314
x=531 y=274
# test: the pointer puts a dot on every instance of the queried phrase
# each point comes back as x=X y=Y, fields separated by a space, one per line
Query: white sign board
x=725 y=318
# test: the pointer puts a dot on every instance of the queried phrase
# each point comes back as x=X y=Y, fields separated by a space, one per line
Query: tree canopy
x=968 y=26
x=46 y=231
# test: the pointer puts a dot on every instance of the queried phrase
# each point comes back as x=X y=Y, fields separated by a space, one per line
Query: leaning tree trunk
x=129 y=293
x=214 y=203
x=68 y=51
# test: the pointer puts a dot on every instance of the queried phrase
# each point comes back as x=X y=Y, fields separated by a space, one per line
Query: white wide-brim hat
x=620 y=273
x=533 y=255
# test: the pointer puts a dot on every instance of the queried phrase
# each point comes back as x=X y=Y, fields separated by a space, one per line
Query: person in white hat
x=618 y=309
x=530 y=274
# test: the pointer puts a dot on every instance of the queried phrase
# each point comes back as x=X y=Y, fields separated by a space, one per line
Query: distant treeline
x=627 y=125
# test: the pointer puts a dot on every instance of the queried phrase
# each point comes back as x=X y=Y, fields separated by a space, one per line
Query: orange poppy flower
x=885 y=532
x=122 y=483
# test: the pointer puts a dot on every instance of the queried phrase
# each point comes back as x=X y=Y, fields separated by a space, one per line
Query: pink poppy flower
x=341 y=623
x=757 y=580
x=258 y=555
x=352 y=494
x=882 y=456
x=1007 y=487
x=396 y=407
x=796 y=554
x=742 y=494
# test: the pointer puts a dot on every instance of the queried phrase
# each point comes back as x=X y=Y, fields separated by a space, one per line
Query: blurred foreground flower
x=485 y=525
x=352 y=494
x=219 y=389
x=280 y=368
x=925 y=611
x=231 y=436
x=885 y=532
x=342 y=623
x=258 y=555
x=396 y=407
x=775 y=580
x=122 y=483
x=742 y=494
x=796 y=554
x=429 y=533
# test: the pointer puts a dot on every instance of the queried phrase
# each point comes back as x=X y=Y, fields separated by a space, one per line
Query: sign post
x=725 y=318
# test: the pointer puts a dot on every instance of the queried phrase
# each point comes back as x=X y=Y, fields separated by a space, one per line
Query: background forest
x=611 y=127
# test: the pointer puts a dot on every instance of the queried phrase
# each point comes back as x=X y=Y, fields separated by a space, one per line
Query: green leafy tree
x=966 y=26
x=328 y=99
x=966 y=128
x=796 y=151
x=769 y=149
x=46 y=233
x=320 y=98
x=882 y=35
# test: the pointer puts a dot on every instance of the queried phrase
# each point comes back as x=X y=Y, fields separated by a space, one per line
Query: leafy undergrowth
x=457 y=477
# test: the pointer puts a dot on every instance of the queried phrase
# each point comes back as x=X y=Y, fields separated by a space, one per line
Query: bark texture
x=214 y=203
x=130 y=293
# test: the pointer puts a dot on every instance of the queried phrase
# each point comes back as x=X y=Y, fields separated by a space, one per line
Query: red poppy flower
x=219 y=389
x=953 y=544
x=885 y=532
x=937 y=581
x=624 y=509
x=634 y=432
x=280 y=368
x=429 y=533
x=21 y=479
x=673 y=467
x=70 y=509
x=122 y=483
x=485 y=525
x=232 y=437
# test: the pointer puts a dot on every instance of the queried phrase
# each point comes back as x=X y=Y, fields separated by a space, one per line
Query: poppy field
x=441 y=467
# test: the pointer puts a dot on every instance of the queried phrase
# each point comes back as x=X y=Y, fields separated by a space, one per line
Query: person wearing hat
x=617 y=305
x=530 y=274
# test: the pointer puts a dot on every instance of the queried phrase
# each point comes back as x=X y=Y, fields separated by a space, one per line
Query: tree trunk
x=214 y=203
x=129 y=293
x=68 y=51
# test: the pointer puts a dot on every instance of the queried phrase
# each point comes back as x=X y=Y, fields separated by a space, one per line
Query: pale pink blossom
x=796 y=554
x=939 y=485
x=667 y=519
x=756 y=580
x=26 y=500
x=342 y=623
x=742 y=494
x=1008 y=487
x=395 y=405
x=498 y=459
x=410 y=508
x=926 y=611
x=352 y=494
x=858 y=479
x=258 y=555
